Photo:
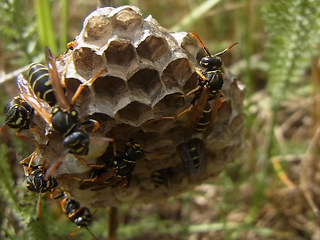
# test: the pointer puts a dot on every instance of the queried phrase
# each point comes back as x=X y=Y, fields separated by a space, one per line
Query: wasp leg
x=54 y=166
x=95 y=124
x=81 y=86
x=22 y=137
x=88 y=164
x=172 y=117
x=105 y=139
x=27 y=167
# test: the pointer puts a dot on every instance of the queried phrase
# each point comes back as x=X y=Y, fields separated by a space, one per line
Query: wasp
x=210 y=82
x=81 y=216
x=18 y=114
x=64 y=118
x=192 y=154
x=162 y=177
x=117 y=172
x=71 y=45
x=35 y=180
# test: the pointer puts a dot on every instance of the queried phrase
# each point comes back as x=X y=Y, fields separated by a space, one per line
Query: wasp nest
x=147 y=71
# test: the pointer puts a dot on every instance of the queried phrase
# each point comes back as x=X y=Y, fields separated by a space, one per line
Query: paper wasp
x=81 y=216
x=192 y=154
x=35 y=180
x=162 y=177
x=202 y=115
x=118 y=170
x=18 y=114
x=63 y=118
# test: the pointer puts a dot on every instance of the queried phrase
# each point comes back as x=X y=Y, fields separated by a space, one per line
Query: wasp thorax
x=139 y=72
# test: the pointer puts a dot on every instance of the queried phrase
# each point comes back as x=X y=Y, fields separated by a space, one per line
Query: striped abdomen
x=205 y=119
x=39 y=80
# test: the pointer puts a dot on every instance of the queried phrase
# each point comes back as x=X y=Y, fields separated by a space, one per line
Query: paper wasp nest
x=147 y=68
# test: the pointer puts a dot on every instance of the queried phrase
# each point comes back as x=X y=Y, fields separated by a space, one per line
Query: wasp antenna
x=201 y=43
x=226 y=50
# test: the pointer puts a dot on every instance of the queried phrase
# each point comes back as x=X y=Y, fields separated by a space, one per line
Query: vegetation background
x=270 y=192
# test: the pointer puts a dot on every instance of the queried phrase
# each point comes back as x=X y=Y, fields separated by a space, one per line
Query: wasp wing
x=192 y=154
x=197 y=110
x=55 y=80
x=214 y=111
x=29 y=96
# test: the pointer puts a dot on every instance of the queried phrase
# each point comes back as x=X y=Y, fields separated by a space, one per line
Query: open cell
x=110 y=87
x=145 y=83
x=87 y=62
x=120 y=53
x=154 y=49
x=134 y=113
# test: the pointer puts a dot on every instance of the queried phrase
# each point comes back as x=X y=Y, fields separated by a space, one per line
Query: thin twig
x=112 y=223
x=12 y=75
x=307 y=164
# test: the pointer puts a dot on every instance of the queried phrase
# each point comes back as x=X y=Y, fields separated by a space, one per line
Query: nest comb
x=147 y=67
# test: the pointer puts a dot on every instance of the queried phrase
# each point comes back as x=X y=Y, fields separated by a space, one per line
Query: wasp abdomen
x=40 y=82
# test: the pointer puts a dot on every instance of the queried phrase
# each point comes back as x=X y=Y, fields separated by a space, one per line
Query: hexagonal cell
x=110 y=87
x=191 y=83
x=170 y=105
x=87 y=62
x=124 y=132
x=85 y=96
x=128 y=18
x=176 y=73
x=190 y=44
x=133 y=114
x=145 y=83
x=97 y=30
x=105 y=121
x=161 y=125
x=120 y=53
x=154 y=49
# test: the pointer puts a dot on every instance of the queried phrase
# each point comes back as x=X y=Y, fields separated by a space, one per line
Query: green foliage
x=294 y=30
x=194 y=15
x=18 y=31
x=45 y=25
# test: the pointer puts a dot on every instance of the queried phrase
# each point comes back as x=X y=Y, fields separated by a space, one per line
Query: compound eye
x=206 y=62
x=217 y=62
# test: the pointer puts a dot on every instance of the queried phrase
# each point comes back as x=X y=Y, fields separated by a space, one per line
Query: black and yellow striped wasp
x=18 y=114
x=35 y=180
x=193 y=156
x=162 y=177
x=209 y=88
x=81 y=216
x=63 y=118
x=117 y=172
x=210 y=82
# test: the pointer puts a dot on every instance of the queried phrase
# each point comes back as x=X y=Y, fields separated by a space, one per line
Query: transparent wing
x=55 y=80
x=28 y=95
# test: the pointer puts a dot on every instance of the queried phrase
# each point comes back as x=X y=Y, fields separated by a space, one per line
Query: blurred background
x=271 y=191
